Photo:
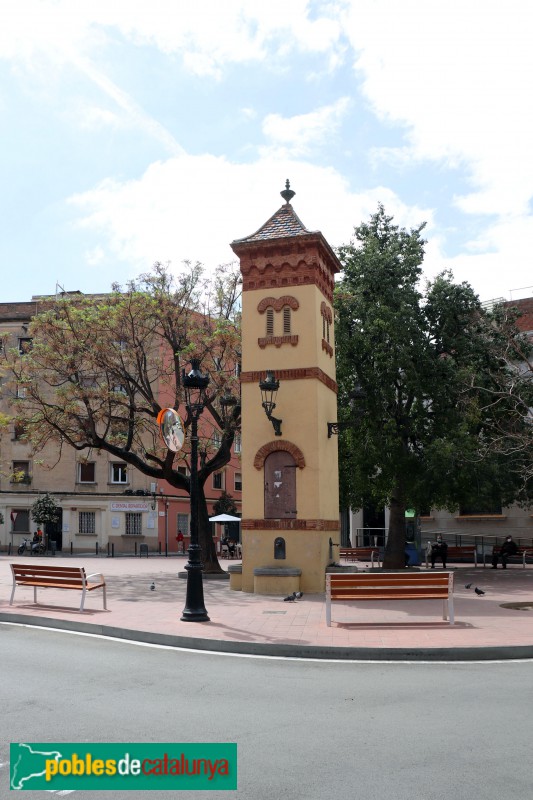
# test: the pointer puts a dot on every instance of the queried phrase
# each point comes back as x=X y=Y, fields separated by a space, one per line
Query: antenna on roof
x=58 y=286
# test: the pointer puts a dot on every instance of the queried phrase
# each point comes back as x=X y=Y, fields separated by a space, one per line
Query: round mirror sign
x=171 y=428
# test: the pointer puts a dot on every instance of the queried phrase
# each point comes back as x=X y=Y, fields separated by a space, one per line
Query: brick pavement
x=242 y=622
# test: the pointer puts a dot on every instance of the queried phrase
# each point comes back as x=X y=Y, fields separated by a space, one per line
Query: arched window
x=286 y=321
x=270 y=322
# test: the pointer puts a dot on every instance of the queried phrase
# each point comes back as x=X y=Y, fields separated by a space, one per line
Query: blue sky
x=135 y=131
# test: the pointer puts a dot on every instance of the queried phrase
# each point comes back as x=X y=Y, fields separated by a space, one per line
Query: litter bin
x=143 y=550
x=53 y=547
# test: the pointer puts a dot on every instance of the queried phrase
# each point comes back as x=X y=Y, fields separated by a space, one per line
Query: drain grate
x=519 y=606
x=274 y=612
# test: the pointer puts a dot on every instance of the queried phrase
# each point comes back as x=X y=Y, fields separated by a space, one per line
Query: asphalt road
x=305 y=730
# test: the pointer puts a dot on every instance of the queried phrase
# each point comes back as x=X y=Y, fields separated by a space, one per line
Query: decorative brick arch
x=277 y=305
x=326 y=312
x=272 y=447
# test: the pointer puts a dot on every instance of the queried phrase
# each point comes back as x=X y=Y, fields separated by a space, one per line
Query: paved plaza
x=486 y=627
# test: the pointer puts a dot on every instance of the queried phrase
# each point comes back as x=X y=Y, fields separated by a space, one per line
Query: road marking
x=272 y=658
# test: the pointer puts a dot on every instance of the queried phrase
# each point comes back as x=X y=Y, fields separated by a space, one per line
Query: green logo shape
x=115 y=767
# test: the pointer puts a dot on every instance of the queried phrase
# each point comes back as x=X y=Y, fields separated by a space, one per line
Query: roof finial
x=287 y=193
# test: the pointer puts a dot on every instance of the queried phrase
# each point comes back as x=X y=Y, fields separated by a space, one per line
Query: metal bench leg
x=105 y=599
x=12 y=594
x=82 y=599
x=328 y=612
x=35 y=595
x=450 y=610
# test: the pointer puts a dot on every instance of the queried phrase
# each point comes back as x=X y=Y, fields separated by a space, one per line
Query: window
x=21 y=392
x=183 y=524
x=134 y=523
x=20 y=520
x=218 y=480
x=479 y=509
x=25 y=345
x=19 y=430
x=217 y=439
x=237 y=443
x=183 y=471
x=86 y=522
x=238 y=482
x=119 y=473
x=270 y=322
x=86 y=472
x=286 y=321
x=21 y=472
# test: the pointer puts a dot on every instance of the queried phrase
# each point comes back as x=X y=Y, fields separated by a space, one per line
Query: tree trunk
x=395 y=548
x=206 y=541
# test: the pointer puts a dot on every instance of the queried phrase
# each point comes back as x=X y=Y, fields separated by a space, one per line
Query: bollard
x=96 y=548
x=108 y=549
x=112 y=549
x=71 y=548
x=135 y=548
x=159 y=548
x=9 y=549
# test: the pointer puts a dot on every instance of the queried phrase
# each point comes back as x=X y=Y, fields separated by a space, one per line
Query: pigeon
x=290 y=599
x=298 y=595
x=152 y=586
x=479 y=591
x=468 y=585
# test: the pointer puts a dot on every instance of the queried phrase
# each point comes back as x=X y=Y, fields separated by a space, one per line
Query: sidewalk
x=248 y=623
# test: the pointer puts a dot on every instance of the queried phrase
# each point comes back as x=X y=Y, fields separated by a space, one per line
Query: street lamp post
x=195 y=385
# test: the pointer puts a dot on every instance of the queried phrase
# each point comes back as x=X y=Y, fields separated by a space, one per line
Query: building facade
x=105 y=504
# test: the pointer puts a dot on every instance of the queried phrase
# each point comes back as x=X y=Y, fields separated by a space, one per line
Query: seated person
x=439 y=550
x=508 y=548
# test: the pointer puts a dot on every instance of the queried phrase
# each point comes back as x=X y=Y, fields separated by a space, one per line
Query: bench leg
x=105 y=599
x=82 y=599
x=35 y=595
x=450 y=610
x=328 y=611
x=12 y=594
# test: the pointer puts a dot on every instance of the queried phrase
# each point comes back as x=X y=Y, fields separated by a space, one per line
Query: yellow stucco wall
x=305 y=406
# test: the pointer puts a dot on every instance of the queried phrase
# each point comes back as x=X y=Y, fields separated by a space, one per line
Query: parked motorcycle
x=35 y=548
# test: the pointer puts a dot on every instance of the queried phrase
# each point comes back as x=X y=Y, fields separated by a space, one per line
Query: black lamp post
x=269 y=389
x=195 y=385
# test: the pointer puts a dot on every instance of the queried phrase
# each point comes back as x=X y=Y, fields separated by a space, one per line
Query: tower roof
x=284 y=223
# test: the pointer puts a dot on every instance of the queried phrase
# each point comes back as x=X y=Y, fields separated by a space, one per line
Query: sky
x=133 y=132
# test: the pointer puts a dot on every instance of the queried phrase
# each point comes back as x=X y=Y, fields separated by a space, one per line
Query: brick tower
x=290 y=466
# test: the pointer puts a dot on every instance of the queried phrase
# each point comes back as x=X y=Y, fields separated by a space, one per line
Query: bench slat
x=46 y=576
x=346 y=587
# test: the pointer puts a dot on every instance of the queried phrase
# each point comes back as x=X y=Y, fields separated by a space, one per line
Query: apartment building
x=104 y=502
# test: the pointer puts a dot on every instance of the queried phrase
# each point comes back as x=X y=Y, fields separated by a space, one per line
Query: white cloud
x=458 y=76
x=297 y=135
x=192 y=207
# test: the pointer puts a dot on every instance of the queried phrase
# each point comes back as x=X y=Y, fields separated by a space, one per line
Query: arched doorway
x=280 y=486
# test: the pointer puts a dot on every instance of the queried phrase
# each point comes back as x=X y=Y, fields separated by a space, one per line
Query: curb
x=435 y=654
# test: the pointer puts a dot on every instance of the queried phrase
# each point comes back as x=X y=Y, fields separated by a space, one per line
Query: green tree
x=415 y=371
x=45 y=509
x=225 y=505
x=101 y=368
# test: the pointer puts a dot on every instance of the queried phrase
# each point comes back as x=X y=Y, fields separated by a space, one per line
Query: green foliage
x=225 y=505
x=45 y=509
x=101 y=368
x=427 y=362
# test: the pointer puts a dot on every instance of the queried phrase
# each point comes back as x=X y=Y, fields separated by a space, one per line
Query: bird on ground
x=479 y=591
x=290 y=599
x=152 y=586
x=298 y=595
x=468 y=585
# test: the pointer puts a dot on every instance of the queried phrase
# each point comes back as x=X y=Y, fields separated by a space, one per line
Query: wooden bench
x=347 y=586
x=51 y=577
x=361 y=554
x=456 y=553
x=520 y=555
